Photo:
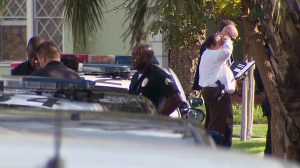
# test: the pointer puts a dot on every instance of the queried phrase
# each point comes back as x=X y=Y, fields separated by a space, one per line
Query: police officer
x=151 y=81
x=29 y=66
x=48 y=56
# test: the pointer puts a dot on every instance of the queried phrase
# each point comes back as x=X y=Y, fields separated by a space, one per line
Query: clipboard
x=239 y=68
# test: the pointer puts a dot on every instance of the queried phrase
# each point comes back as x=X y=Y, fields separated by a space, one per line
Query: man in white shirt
x=213 y=67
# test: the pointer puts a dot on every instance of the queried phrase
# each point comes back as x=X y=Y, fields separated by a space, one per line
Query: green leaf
x=83 y=17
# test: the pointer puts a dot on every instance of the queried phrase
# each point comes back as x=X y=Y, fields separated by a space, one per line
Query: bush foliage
x=258 y=117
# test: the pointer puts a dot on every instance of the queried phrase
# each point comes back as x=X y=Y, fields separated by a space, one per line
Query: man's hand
x=172 y=102
x=239 y=80
x=239 y=84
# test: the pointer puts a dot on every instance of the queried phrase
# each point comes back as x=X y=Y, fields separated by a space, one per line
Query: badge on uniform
x=168 y=81
x=145 y=81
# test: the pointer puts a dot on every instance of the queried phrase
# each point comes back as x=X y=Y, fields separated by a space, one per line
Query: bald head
x=231 y=32
x=225 y=22
x=47 y=52
x=32 y=50
x=142 y=55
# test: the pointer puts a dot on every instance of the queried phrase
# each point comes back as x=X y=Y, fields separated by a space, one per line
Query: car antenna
x=41 y=84
x=56 y=161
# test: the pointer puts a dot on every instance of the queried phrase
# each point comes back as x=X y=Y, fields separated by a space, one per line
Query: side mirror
x=196 y=102
x=196 y=114
x=184 y=109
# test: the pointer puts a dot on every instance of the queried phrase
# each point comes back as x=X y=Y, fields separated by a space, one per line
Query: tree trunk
x=281 y=75
x=184 y=63
x=248 y=83
x=271 y=88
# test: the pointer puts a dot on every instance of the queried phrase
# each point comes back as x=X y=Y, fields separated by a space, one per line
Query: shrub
x=258 y=117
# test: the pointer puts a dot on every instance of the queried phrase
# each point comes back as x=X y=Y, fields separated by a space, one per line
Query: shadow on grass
x=254 y=146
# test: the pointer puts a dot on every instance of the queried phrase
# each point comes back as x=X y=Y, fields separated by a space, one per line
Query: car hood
x=113 y=140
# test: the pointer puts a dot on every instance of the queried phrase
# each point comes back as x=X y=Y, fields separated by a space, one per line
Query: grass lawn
x=256 y=145
x=258 y=130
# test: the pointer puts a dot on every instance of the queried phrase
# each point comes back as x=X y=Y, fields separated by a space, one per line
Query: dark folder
x=239 y=68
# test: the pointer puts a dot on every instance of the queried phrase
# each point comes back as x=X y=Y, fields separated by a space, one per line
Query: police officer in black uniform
x=29 y=66
x=48 y=56
x=151 y=81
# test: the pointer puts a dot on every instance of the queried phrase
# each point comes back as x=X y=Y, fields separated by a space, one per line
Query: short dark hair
x=35 y=41
x=144 y=48
x=211 y=40
x=49 y=49
x=225 y=22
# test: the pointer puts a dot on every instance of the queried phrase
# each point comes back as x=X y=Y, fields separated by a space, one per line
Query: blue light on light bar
x=105 y=68
x=43 y=83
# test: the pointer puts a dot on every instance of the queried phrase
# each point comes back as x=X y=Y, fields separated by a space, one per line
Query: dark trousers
x=267 y=112
x=268 y=149
x=219 y=114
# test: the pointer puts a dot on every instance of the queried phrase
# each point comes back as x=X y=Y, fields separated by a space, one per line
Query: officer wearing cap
x=151 y=81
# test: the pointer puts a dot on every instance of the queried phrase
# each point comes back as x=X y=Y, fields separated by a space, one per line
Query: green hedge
x=258 y=117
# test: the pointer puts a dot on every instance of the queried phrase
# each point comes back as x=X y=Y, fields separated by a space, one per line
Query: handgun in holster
x=219 y=92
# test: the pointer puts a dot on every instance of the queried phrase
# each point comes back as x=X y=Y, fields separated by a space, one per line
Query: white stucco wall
x=108 y=40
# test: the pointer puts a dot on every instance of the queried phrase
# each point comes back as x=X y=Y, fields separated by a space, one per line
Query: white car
x=68 y=94
x=35 y=138
x=114 y=77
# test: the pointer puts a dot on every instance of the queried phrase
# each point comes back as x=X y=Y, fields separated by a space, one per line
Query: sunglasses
x=232 y=39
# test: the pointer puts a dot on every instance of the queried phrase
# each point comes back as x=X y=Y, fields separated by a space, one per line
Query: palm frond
x=137 y=11
x=83 y=17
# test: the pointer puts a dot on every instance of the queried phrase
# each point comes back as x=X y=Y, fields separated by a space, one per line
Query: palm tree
x=83 y=17
x=280 y=30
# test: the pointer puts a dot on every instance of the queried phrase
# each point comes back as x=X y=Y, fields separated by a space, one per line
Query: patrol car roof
x=42 y=83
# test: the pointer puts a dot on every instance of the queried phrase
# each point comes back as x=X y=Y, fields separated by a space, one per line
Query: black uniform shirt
x=56 y=69
x=196 y=85
x=154 y=84
x=23 y=69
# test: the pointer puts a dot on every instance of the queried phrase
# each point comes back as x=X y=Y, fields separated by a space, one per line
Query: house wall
x=108 y=40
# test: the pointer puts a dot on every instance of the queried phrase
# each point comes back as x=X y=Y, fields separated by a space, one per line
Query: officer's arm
x=172 y=102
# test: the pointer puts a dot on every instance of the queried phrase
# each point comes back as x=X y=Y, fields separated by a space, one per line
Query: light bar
x=105 y=68
x=42 y=83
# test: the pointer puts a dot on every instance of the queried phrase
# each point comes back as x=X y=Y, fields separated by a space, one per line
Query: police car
x=67 y=94
x=43 y=138
x=116 y=78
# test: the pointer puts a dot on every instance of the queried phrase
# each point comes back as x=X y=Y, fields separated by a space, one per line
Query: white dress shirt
x=213 y=66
